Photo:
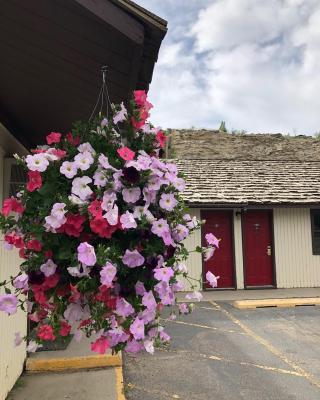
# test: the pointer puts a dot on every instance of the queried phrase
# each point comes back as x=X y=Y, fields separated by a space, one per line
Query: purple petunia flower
x=132 y=258
x=8 y=303
x=137 y=329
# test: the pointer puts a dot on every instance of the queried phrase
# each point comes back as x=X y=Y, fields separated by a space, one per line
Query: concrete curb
x=73 y=363
x=290 y=302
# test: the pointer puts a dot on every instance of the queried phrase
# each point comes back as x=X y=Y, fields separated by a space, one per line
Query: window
x=315 y=231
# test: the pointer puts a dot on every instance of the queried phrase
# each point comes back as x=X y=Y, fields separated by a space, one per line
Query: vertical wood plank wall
x=296 y=266
x=11 y=357
x=238 y=250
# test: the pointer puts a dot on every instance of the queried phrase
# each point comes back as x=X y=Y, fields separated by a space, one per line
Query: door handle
x=268 y=250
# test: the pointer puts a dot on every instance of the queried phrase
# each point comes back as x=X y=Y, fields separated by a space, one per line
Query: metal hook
x=104 y=70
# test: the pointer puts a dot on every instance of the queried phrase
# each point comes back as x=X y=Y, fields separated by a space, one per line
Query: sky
x=252 y=63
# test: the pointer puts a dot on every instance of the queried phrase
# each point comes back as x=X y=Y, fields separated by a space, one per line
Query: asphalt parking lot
x=219 y=352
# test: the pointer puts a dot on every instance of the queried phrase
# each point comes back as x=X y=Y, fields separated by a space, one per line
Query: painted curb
x=119 y=384
x=72 y=363
x=292 y=302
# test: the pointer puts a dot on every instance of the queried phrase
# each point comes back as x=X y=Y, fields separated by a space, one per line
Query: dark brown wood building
x=52 y=52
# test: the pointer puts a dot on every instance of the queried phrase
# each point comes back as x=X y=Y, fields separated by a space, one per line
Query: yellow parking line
x=228 y=360
x=312 y=379
x=213 y=328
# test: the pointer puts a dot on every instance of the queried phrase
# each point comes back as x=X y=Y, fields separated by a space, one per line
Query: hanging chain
x=103 y=97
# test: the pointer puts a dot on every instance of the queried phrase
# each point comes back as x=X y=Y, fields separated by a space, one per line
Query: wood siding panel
x=296 y=266
x=194 y=263
x=11 y=357
x=238 y=250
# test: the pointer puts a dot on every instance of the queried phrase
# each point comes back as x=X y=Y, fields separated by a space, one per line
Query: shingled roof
x=243 y=183
x=209 y=144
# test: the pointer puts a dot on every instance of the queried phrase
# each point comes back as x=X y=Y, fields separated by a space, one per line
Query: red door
x=221 y=264
x=257 y=237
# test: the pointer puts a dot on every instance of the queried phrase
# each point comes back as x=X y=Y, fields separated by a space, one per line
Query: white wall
x=11 y=357
x=296 y=266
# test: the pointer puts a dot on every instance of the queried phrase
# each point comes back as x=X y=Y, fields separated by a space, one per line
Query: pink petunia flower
x=149 y=346
x=212 y=279
x=8 y=303
x=18 y=339
x=104 y=162
x=37 y=162
x=83 y=160
x=100 y=179
x=126 y=154
x=53 y=137
x=164 y=274
x=80 y=187
x=131 y=195
x=212 y=240
x=127 y=220
x=132 y=258
x=100 y=346
x=137 y=329
x=168 y=201
x=208 y=253
x=69 y=169
x=107 y=274
x=86 y=254
x=121 y=115
x=180 y=232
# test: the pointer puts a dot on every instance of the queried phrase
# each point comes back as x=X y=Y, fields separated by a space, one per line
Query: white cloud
x=252 y=63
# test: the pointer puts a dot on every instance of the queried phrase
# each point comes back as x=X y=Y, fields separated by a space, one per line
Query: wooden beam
x=115 y=17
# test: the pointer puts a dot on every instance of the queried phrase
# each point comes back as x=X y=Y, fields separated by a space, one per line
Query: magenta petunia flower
x=131 y=195
x=8 y=303
x=107 y=274
x=100 y=346
x=132 y=258
x=137 y=329
x=126 y=154
x=164 y=274
x=86 y=254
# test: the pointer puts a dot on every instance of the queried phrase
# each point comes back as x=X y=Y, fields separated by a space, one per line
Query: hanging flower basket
x=100 y=227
